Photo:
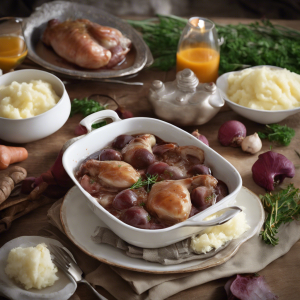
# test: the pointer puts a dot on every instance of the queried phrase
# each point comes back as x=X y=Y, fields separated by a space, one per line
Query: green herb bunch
x=282 y=207
x=162 y=35
x=85 y=106
x=278 y=133
x=243 y=45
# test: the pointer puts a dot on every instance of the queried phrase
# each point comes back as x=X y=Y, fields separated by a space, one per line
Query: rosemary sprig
x=277 y=133
x=150 y=179
x=282 y=207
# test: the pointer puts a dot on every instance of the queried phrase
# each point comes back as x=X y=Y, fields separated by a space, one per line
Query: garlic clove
x=251 y=143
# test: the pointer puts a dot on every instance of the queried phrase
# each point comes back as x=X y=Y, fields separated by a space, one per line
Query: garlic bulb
x=251 y=143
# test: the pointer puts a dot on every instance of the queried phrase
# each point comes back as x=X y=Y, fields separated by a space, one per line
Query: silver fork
x=67 y=264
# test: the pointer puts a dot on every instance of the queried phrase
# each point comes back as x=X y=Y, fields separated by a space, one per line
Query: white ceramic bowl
x=40 y=126
x=256 y=115
x=101 y=137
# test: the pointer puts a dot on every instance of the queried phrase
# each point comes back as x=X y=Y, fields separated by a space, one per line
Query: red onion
x=80 y=130
x=232 y=133
x=271 y=168
x=200 y=137
x=27 y=185
x=248 y=287
x=123 y=113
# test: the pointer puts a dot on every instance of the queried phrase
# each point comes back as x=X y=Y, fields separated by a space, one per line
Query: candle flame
x=201 y=25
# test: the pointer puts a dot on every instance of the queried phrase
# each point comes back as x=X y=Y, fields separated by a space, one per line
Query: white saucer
x=62 y=289
x=79 y=223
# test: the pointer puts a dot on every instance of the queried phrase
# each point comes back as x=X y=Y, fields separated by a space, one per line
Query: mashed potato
x=25 y=100
x=32 y=267
x=265 y=89
x=215 y=237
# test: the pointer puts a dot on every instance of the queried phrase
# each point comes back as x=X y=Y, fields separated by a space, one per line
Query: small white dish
x=38 y=127
x=256 y=115
x=62 y=289
x=100 y=138
x=75 y=202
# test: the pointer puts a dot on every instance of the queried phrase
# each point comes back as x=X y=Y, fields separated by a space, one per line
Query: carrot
x=10 y=155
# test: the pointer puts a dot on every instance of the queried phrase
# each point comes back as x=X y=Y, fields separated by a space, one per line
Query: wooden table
x=282 y=275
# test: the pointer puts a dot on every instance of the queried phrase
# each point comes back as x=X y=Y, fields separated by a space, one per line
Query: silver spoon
x=227 y=214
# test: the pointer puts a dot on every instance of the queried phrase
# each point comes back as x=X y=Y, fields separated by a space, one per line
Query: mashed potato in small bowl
x=61 y=286
x=264 y=94
x=33 y=105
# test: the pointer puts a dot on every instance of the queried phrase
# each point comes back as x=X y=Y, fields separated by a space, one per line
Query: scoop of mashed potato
x=25 y=100
x=216 y=236
x=32 y=267
x=265 y=88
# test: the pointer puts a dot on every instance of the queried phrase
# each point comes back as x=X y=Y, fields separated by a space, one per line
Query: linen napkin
x=253 y=256
x=170 y=255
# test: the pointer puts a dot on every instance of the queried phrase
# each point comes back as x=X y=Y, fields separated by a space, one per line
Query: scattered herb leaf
x=142 y=204
x=86 y=107
x=148 y=217
x=278 y=133
x=243 y=45
x=282 y=207
x=150 y=179
x=297 y=153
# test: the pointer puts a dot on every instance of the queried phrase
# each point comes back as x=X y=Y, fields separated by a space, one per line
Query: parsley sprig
x=278 y=133
x=150 y=179
x=85 y=106
x=282 y=207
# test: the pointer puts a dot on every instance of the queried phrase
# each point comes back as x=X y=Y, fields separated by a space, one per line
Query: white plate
x=80 y=222
x=62 y=289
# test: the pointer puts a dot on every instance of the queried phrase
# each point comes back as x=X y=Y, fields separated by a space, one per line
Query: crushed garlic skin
x=216 y=236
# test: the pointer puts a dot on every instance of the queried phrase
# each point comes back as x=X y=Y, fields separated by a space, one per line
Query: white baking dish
x=101 y=137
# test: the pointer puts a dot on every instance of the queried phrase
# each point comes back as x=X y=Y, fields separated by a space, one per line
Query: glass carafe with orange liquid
x=199 y=50
x=13 y=48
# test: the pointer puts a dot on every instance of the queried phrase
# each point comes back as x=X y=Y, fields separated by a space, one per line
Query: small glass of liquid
x=199 y=50
x=13 y=49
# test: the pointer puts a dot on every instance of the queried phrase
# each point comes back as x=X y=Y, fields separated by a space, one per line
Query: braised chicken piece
x=110 y=174
x=86 y=44
x=138 y=152
x=170 y=200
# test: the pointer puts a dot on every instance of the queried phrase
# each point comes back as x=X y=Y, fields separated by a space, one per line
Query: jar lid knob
x=187 y=81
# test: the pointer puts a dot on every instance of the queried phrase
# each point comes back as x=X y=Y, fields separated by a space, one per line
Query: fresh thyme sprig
x=278 y=133
x=150 y=179
x=282 y=207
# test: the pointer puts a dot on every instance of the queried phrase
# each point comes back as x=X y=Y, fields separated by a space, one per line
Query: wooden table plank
x=42 y=154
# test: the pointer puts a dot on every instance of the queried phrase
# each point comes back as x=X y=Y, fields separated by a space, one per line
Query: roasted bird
x=86 y=44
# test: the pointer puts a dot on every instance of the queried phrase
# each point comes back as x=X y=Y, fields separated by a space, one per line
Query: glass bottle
x=199 y=50
x=13 y=49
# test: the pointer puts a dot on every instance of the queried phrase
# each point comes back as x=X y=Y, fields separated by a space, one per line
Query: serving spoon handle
x=227 y=214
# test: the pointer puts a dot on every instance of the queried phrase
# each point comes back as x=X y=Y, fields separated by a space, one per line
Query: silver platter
x=138 y=57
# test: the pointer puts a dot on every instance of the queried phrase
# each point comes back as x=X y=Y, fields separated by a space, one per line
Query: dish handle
x=88 y=121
